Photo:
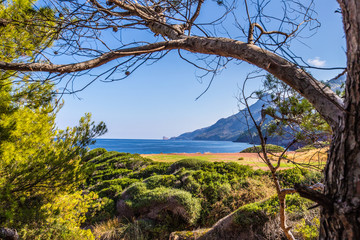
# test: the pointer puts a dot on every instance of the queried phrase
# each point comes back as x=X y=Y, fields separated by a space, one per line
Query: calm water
x=147 y=146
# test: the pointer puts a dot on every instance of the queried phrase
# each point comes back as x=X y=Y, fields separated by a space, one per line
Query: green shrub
x=305 y=148
x=260 y=212
x=234 y=169
x=160 y=168
x=160 y=181
x=94 y=153
x=191 y=163
x=107 y=211
x=309 y=231
x=111 y=191
x=250 y=215
x=141 y=198
x=64 y=217
x=108 y=155
x=269 y=148
x=292 y=176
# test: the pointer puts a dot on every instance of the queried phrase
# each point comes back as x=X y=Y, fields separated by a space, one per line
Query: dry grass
x=114 y=229
x=315 y=157
x=111 y=229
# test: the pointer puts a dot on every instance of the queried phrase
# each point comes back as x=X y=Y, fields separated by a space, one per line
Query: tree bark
x=342 y=172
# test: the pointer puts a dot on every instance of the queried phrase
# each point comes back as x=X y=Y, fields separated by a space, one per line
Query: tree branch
x=315 y=196
x=195 y=15
x=326 y=102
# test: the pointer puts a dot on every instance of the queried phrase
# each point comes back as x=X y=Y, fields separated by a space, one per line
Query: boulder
x=8 y=234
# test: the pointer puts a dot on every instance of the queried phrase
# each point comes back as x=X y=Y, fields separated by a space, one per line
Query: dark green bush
x=160 y=181
x=94 y=153
x=203 y=191
x=155 y=168
x=141 y=198
x=191 y=163
x=269 y=148
x=292 y=176
x=233 y=168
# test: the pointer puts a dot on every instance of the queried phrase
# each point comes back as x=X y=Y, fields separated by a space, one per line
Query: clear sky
x=159 y=100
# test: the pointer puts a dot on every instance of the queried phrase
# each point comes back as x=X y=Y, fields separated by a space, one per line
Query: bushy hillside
x=143 y=199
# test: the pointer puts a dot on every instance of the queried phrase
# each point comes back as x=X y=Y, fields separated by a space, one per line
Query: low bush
x=190 y=163
x=305 y=148
x=187 y=194
x=94 y=153
x=292 y=176
x=179 y=202
x=269 y=148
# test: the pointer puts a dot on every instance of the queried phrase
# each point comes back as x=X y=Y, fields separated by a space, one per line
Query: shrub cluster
x=159 y=198
x=269 y=148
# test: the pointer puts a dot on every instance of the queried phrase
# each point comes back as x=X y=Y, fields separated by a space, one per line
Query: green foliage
x=308 y=230
x=269 y=148
x=292 y=116
x=158 y=168
x=254 y=216
x=250 y=215
x=63 y=218
x=18 y=37
x=40 y=166
x=295 y=205
x=190 y=163
x=142 y=198
x=160 y=180
x=215 y=189
x=305 y=148
x=94 y=153
x=292 y=176
x=105 y=212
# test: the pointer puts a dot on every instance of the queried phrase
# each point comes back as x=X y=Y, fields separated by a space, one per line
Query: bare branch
x=195 y=15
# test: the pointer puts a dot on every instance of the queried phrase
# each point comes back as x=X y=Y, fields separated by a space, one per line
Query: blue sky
x=159 y=100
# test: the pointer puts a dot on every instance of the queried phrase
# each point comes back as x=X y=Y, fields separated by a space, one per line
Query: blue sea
x=150 y=146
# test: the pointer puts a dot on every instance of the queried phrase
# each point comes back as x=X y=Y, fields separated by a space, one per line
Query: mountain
x=235 y=128
x=225 y=129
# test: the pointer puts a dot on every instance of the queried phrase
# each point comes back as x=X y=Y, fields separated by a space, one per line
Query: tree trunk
x=342 y=173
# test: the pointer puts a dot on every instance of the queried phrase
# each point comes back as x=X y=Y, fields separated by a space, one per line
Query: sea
x=152 y=146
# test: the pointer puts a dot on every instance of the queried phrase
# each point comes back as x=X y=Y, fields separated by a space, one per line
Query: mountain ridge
x=234 y=128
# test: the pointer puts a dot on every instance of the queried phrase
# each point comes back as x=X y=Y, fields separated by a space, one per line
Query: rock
x=188 y=235
x=8 y=234
x=123 y=210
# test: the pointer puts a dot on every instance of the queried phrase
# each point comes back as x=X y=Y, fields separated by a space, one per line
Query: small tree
x=292 y=116
x=38 y=162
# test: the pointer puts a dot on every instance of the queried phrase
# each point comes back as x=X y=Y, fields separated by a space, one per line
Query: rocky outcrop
x=188 y=235
x=8 y=234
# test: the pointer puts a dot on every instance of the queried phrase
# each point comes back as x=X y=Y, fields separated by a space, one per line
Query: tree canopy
x=38 y=162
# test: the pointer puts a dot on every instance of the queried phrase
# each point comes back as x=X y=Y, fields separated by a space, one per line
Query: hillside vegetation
x=144 y=199
x=269 y=148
